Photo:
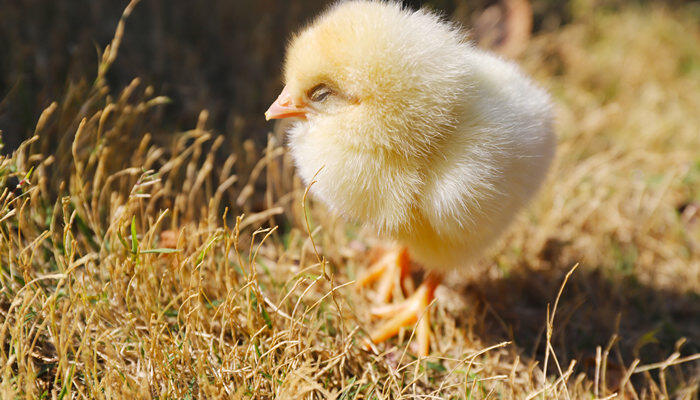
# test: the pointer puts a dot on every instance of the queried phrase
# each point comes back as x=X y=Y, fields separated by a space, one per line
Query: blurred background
x=221 y=55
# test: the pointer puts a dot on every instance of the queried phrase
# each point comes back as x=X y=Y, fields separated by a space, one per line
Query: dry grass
x=95 y=303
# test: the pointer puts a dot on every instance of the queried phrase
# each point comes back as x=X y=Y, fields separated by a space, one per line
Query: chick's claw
x=392 y=267
x=412 y=310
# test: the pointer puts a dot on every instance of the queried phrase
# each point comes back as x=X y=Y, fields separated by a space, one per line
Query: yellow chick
x=409 y=128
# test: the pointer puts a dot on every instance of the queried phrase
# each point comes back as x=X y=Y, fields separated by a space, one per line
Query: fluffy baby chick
x=409 y=128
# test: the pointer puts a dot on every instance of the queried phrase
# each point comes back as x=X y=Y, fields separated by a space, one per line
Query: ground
x=131 y=269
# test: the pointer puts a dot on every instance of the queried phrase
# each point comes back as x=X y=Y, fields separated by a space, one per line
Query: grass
x=130 y=269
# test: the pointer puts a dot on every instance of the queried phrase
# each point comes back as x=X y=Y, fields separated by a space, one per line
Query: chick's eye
x=320 y=92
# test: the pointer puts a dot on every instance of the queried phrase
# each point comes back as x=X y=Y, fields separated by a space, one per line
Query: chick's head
x=373 y=74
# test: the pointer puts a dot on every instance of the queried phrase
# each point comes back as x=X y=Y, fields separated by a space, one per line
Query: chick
x=407 y=127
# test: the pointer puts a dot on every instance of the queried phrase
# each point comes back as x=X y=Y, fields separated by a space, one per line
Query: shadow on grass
x=648 y=323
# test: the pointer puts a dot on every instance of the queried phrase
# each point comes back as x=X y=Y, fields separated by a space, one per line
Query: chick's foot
x=391 y=269
x=406 y=313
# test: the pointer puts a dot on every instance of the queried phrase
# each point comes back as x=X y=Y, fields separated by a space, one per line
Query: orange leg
x=406 y=313
x=392 y=267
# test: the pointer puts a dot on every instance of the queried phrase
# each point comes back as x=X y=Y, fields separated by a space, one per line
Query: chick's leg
x=406 y=313
x=392 y=267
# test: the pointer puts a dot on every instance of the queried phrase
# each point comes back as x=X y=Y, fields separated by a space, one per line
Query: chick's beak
x=286 y=106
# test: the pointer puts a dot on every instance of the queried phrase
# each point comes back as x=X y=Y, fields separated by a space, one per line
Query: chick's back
x=487 y=168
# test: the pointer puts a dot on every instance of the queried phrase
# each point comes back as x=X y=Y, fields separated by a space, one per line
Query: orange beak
x=285 y=107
